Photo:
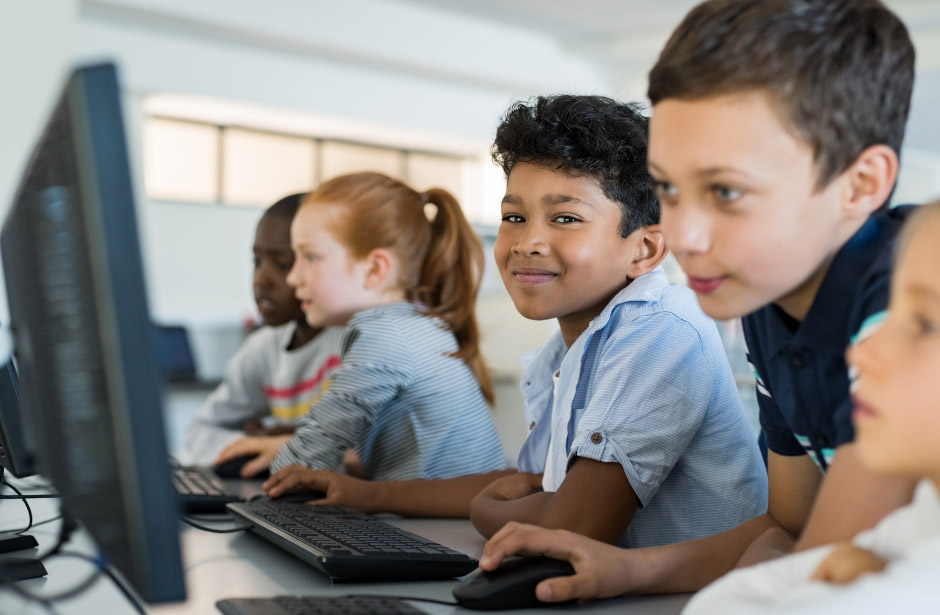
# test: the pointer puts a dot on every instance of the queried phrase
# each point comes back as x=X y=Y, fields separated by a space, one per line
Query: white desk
x=222 y=566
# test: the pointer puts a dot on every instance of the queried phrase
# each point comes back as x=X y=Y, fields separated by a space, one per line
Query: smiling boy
x=636 y=434
x=774 y=146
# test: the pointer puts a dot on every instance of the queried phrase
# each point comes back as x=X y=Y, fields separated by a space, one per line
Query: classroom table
x=219 y=566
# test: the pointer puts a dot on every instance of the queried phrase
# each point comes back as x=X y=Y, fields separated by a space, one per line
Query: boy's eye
x=925 y=325
x=513 y=218
x=664 y=190
x=285 y=266
x=565 y=219
x=726 y=194
x=256 y=262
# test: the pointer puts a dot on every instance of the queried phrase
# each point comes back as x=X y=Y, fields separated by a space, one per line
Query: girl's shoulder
x=400 y=322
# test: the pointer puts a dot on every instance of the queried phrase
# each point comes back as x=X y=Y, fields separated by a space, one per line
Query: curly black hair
x=584 y=135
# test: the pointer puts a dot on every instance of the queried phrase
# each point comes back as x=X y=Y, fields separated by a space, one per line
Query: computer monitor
x=83 y=338
x=15 y=451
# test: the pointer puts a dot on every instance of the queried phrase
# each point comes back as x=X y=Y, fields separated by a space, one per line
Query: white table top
x=220 y=566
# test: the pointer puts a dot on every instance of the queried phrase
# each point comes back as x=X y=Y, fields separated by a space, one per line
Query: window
x=201 y=162
x=259 y=168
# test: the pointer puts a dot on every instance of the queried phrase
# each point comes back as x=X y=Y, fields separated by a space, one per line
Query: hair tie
x=430 y=209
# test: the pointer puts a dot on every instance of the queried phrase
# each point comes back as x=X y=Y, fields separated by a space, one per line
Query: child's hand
x=263 y=448
x=340 y=489
x=601 y=570
x=513 y=487
x=846 y=563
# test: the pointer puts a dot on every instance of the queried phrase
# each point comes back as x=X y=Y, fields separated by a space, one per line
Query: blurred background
x=230 y=104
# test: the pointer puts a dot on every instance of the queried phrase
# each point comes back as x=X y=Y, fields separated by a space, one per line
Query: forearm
x=488 y=514
x=446 y=497
x=690 y=566
x=852 y=498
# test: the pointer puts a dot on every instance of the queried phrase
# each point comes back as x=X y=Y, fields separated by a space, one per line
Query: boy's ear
x=649 y=250
x=871 y=179
x=379 y=264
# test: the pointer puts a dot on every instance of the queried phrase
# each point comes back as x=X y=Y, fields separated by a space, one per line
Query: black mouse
x=233 y=467
x=511 y=586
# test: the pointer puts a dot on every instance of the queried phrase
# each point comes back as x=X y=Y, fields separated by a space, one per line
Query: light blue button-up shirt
x=648 y=386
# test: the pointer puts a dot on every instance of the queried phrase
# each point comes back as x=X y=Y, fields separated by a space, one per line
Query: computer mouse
x=511 y=586
x=233 y=467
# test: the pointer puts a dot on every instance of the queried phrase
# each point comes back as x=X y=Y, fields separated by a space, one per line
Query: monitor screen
x=90 y=382
x=15 y=451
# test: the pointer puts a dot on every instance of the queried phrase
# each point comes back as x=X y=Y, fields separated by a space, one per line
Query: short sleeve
x=651 y=390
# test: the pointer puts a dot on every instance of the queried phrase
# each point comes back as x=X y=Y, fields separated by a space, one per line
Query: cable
x=29 y=511
x=127 y=594
x=68 y=593
x=205 y=528
x=27 y=496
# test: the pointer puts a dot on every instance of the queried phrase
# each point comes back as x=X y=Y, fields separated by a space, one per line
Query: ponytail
x=441 y=258
x=450 y=280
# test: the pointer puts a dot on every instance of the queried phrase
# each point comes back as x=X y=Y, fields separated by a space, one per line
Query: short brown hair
x=839 y=72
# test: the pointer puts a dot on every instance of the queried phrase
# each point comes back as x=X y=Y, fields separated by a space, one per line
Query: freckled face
x=327 y=280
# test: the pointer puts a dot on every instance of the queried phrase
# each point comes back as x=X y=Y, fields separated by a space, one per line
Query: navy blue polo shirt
x=802 y=379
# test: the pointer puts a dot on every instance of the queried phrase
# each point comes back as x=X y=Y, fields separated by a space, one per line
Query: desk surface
x=222 y=566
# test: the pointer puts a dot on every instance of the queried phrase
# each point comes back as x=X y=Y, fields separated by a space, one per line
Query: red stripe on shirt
x=306 y=385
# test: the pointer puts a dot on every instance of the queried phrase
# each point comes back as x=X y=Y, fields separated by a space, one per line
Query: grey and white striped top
x=408 y=408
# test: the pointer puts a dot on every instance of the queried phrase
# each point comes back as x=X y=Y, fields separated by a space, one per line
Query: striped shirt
x=648 y=386
x=263 y=381
x=408 y=408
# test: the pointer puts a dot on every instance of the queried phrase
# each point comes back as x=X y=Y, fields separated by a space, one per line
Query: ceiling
x=624 y=37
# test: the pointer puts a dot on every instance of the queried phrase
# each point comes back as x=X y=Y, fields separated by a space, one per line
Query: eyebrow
x=709 y=172
x=923 y=292
x=548 y=199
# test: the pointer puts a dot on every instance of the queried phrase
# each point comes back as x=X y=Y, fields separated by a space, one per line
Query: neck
x=303 y=333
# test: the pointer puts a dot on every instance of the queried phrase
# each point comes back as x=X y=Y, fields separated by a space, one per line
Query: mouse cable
x=206 y=528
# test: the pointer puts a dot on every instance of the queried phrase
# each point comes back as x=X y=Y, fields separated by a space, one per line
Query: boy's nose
x=530 y=242
x=685 y=231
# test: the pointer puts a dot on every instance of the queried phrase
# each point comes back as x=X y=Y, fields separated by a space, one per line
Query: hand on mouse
x=340 y=489
x=601 y=570
x=264 y=448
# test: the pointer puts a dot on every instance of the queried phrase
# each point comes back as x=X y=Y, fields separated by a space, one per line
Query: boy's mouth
x=265 y=306
x=706 y=286
x=861 y=410
x=533 y=276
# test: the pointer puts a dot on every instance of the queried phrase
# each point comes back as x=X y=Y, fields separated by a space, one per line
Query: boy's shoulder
x=649 y=296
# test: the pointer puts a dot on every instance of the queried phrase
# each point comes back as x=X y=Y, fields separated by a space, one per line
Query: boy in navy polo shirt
x=774 y=145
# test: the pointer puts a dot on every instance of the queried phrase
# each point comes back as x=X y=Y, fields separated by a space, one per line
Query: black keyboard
x=201 y=491
x=346 y=544
x=316 y=605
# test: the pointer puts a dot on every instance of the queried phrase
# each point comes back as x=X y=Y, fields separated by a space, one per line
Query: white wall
x=376 y=61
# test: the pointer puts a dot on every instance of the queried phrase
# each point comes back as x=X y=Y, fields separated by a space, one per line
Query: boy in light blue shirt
x=637 y=435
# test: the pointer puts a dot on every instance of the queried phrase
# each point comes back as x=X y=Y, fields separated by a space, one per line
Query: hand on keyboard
x=337 y=489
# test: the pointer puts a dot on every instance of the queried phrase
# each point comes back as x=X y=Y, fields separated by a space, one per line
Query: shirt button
x=596 y=438
x=797 y=360
x=531 y=425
